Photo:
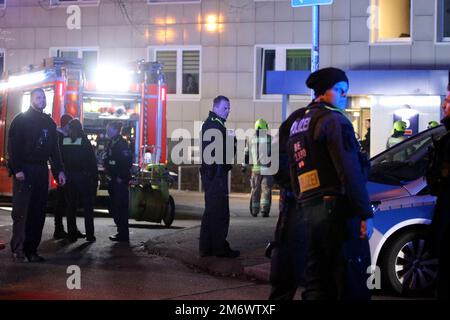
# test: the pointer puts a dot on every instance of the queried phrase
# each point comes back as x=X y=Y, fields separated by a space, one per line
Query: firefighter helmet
x=261 y=124
x=432 y=124
x=400 y=126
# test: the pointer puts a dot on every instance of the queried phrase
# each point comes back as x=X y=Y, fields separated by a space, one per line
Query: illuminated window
x=443 y=20
x=391 y=21
x=181 y=69
x=279 y=58
x=88 y=55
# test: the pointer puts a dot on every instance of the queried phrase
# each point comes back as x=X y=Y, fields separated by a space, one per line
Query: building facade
x=213 y=47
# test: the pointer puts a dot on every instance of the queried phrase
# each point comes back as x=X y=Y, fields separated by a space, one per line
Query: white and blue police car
x=403 y=213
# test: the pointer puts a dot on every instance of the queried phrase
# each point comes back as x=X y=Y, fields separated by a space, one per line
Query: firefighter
x=32 y=141
x=118 y=163
x=398 y=134
x=440 y=225
x=259 y=148
x=329 y=179
x=81 y=171
x=214 y=174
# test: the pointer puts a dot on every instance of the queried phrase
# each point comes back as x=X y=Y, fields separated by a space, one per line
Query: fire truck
x=134 y=94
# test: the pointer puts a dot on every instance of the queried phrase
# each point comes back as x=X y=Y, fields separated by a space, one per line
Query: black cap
x=324 y=79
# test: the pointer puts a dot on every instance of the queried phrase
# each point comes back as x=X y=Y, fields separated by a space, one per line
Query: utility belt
x=334 y=205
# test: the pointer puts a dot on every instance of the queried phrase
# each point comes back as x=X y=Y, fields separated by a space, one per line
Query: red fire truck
x=139 y=102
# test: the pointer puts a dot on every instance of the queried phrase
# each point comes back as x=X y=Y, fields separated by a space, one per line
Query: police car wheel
x=409 y=267
x=169 y=216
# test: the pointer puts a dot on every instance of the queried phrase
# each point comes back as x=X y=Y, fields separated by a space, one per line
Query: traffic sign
x=306 y=3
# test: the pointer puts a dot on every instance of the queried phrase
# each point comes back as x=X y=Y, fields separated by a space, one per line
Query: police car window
x=404 y=162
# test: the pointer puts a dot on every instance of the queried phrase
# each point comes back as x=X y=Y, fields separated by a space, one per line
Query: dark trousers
x=28 y=214
x=288 y=259
x=337 y=259
x=440 y=244
x=216 y=217
x=118 y=206
x=79 y=187
x=60 y=208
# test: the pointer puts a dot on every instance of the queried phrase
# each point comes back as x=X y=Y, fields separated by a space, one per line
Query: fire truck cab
x=62 y=81
x=133 y=94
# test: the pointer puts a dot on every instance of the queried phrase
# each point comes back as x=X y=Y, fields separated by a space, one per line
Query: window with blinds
x=181 y=67
x=191 y=70
x=169 y=60
x=298 y=59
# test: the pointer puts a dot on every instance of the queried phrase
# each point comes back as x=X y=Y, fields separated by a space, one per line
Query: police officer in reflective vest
x=216 y=162
x=32 y=141
x=258 y=149
x=118 y=163
x=81 y=170
x=329 y=180
x=398 y=134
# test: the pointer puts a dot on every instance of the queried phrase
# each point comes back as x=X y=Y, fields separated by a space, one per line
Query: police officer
x=398 y=134
x=440 y=225
x=287 y=252
x=118 y=163
x=60 y=206
x=32 y=141
x=261 y=181
x=216 y=162
x=82 y=176
x=328 y=175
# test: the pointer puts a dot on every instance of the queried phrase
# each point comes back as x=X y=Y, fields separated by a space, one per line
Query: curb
x=223 y=267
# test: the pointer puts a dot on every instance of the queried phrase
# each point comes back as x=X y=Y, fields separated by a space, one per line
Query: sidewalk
x=248 y=234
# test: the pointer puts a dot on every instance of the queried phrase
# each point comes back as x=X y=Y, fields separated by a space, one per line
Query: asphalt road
x=125 y=271
x=115 y=270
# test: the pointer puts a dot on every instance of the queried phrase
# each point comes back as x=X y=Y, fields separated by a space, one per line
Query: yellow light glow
x=170 y=35
x=160 y=21
x=170 y=20
x=211 y=23
x=161 y=35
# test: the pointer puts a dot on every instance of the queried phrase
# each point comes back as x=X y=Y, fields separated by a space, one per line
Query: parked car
x=403 y=212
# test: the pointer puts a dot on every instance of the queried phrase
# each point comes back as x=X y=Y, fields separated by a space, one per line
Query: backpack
x=436 y=153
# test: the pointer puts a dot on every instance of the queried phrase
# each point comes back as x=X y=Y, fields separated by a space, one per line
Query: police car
x=403 y=212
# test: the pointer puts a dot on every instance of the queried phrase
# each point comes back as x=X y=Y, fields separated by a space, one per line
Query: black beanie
x=324 y=79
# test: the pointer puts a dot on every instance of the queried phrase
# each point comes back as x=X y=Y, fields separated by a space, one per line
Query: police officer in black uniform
x=82 y=178
x=287 y=252
x=328 y=175
x=440 y=225
x=32 y=141
x=214 y=172
x=118 y=163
